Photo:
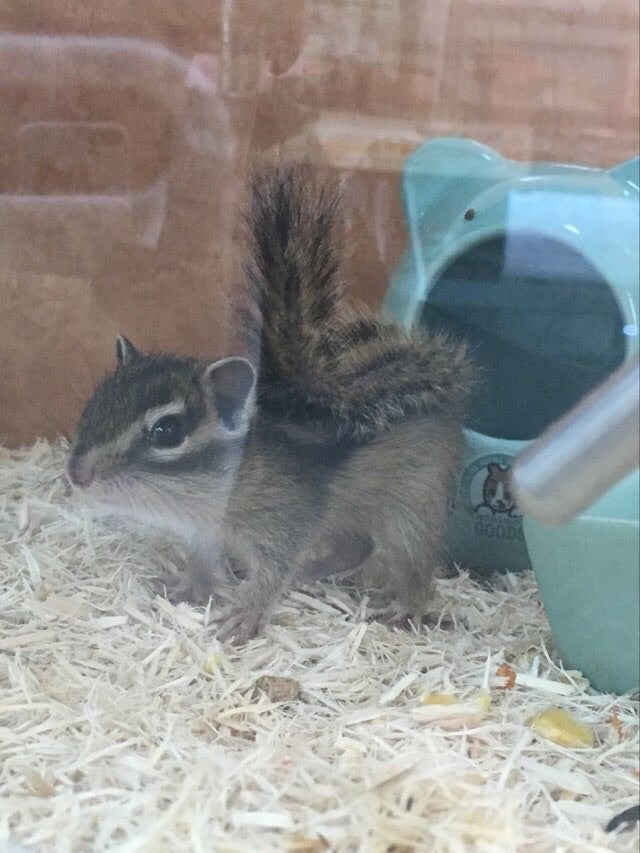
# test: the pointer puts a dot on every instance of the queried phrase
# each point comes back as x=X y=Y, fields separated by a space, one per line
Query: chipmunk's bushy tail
x=319 y=362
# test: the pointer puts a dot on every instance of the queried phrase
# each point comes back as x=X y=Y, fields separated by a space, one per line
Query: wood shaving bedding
x=125 y=725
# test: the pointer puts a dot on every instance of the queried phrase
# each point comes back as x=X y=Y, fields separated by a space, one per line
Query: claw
x=394 y=617
x=182 y=587
x=237 y=625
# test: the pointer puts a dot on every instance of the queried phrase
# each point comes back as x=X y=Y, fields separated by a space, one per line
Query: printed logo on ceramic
x=486 y=495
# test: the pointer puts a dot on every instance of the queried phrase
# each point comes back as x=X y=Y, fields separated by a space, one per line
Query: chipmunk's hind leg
x=343 y=552
x=409 y=569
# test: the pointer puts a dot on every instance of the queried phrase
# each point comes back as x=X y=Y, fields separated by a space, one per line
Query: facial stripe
x=131 y=391
x=116 y=447
x=216 y=457
x=180 y=509
x=176 y=407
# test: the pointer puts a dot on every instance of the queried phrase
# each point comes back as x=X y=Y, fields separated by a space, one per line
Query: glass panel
x=543 y=325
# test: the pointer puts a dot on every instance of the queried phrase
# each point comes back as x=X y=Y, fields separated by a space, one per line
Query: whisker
x=49 y=480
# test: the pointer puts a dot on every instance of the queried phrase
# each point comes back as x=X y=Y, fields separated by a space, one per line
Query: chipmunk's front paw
x=238 y=624
x=395 y=616
x=184 y=586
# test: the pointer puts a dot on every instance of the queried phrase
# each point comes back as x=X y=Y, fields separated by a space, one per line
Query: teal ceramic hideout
x=588 y=576
x=536 y=264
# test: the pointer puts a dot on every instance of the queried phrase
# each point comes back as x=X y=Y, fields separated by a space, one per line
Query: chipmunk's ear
x=231 y=382
x=125 y=351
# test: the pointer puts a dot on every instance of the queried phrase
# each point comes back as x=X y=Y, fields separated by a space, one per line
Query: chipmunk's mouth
x=87 y=481
x=79 y=473
x=86 y=473
x=104 y=495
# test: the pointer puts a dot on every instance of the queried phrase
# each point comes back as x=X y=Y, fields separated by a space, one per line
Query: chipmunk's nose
x=80 y=472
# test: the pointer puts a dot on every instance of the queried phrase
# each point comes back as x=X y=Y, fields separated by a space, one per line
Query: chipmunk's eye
x=167 y=431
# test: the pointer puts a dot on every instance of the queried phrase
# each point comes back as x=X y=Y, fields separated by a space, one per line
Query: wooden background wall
x=122 y=162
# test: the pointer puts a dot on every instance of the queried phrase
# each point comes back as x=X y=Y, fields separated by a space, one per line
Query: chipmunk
x=336 y=440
